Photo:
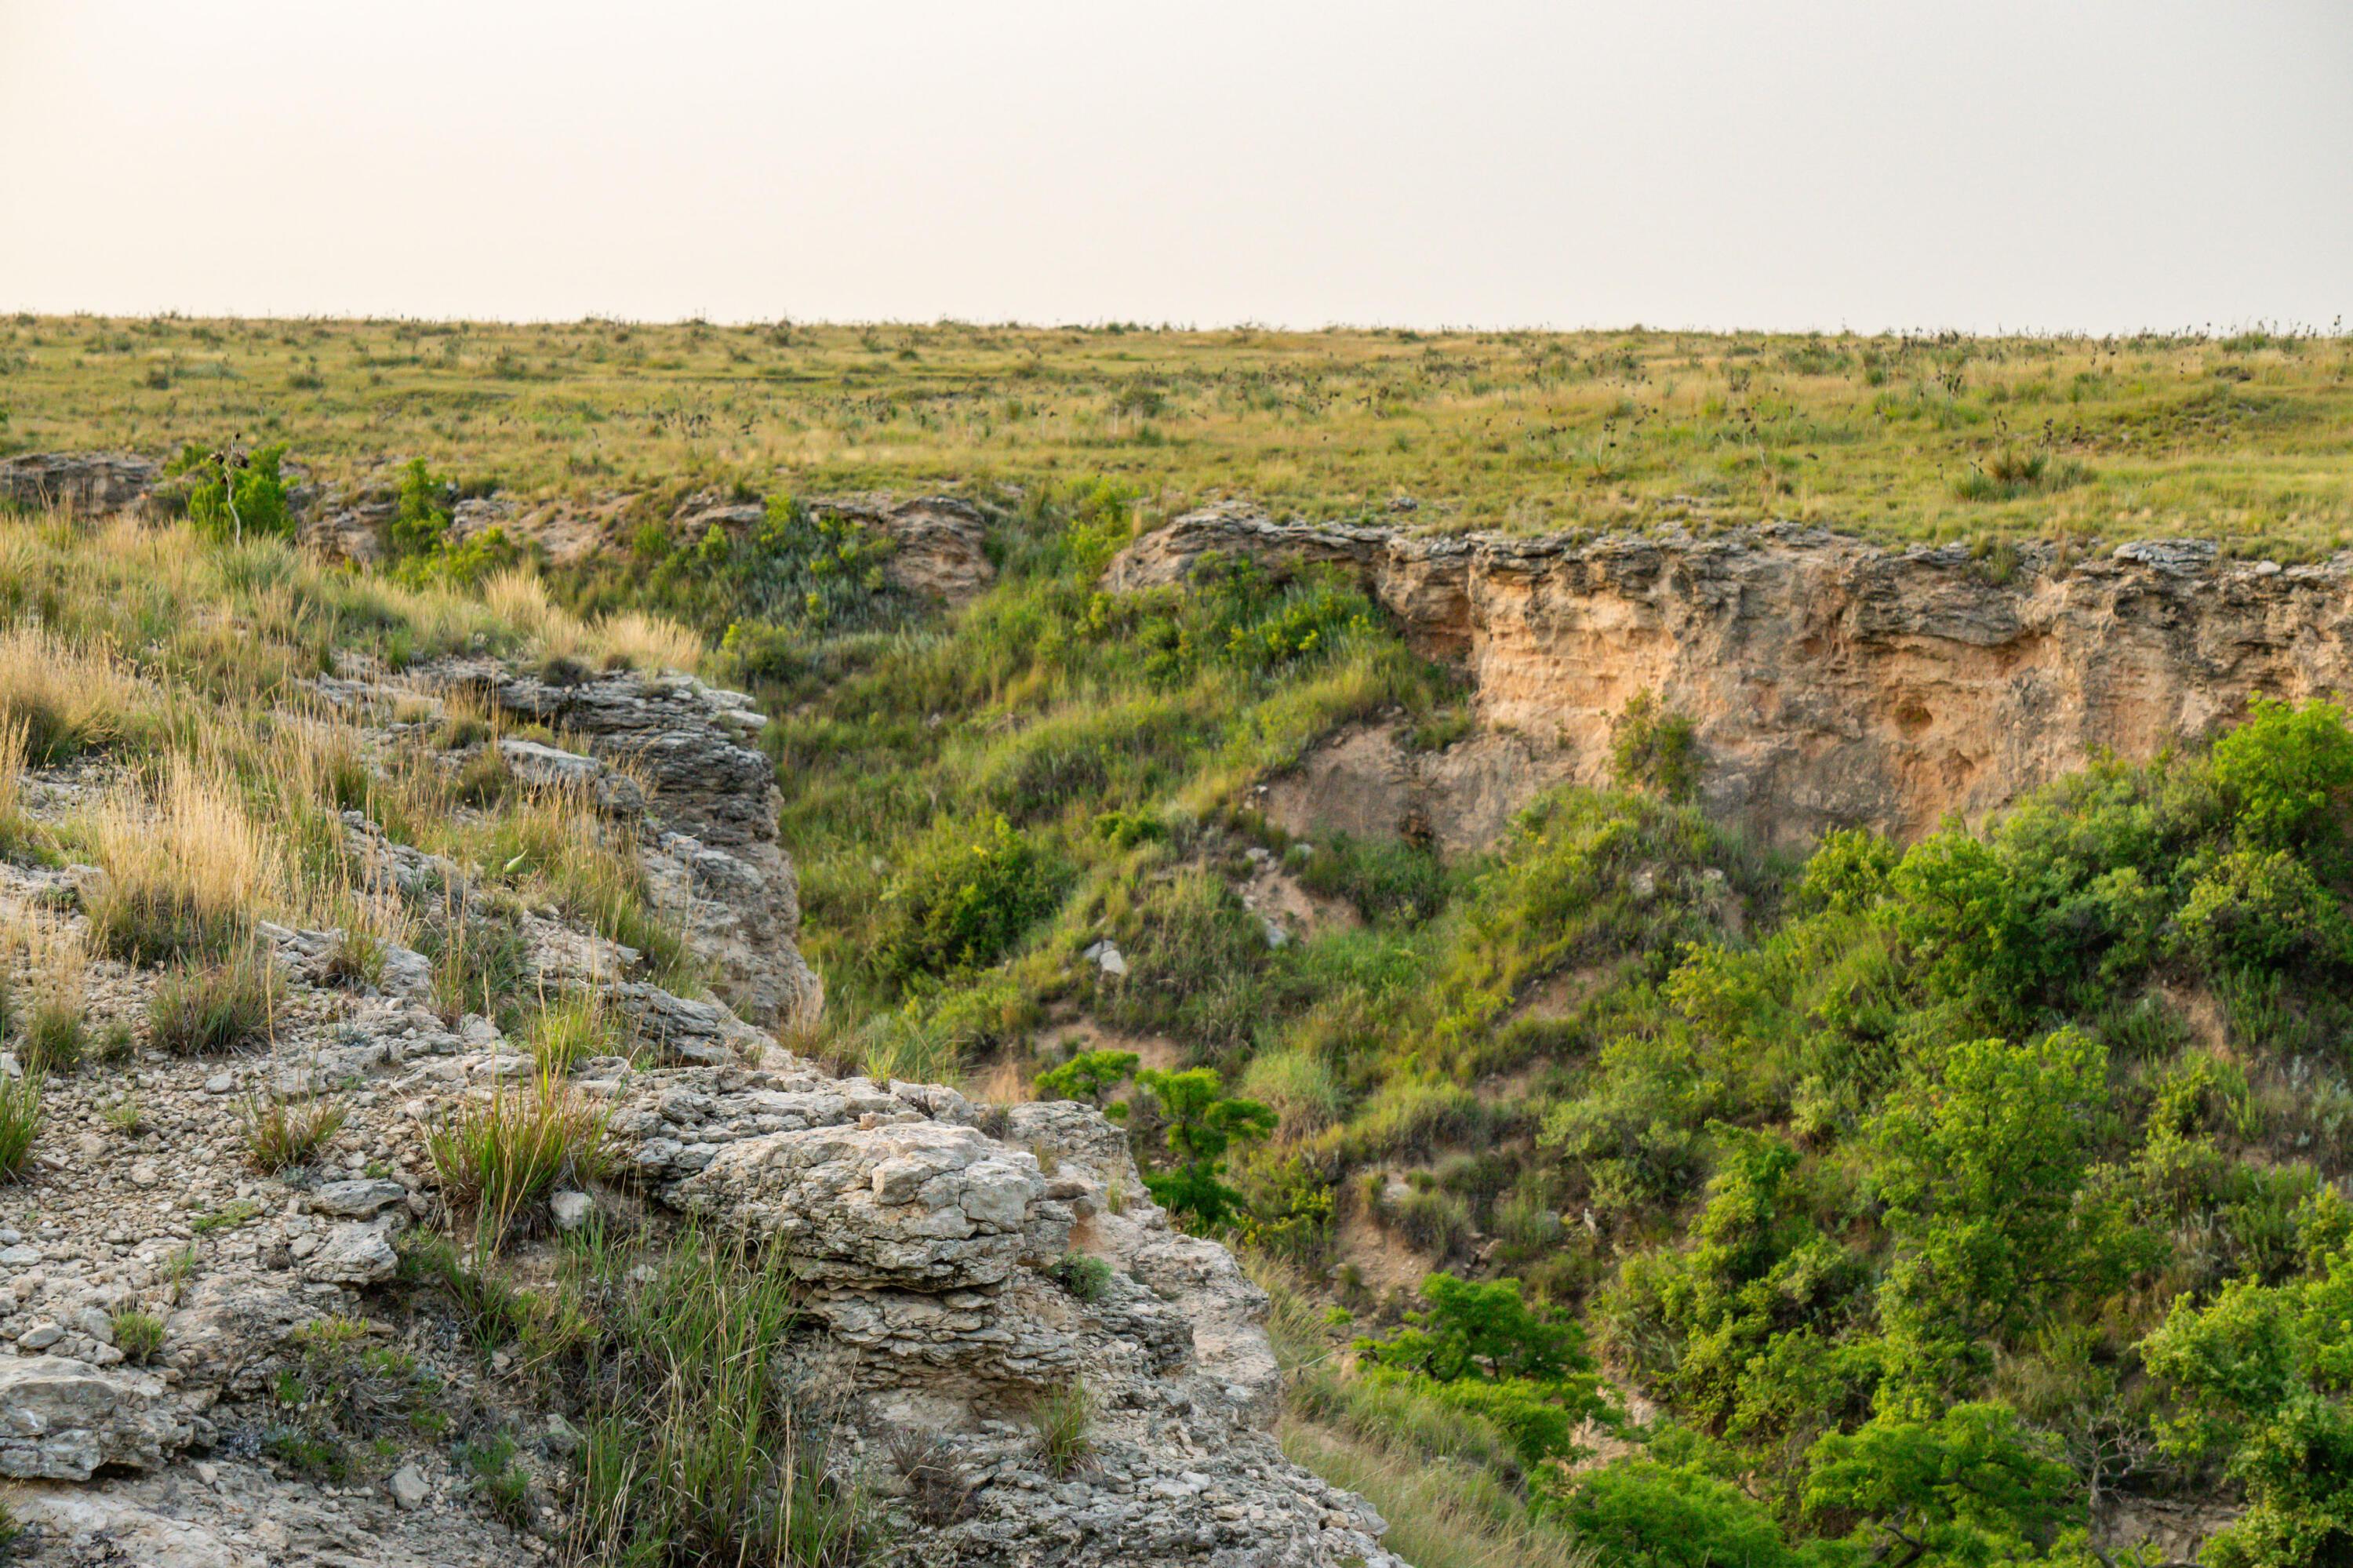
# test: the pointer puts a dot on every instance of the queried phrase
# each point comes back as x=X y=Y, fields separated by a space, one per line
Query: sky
x=2097 y=166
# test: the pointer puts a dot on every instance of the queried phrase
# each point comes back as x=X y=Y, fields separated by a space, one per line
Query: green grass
x=20 y=1122
x=1062 y=1417
x=1899 y=437
x=500 y=1157
x=279 y=1135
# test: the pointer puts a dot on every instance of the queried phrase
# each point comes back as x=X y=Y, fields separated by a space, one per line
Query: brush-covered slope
x=1974 y=1197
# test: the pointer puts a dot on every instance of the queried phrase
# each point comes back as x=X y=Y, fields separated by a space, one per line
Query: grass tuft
x=217 y=1009
x=279 y=1135
x=1063 y=1416
x=500 y=1157
x=186 y=871
x=20 y=1122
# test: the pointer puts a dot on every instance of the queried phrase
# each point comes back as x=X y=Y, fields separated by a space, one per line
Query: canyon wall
x=1832 y=683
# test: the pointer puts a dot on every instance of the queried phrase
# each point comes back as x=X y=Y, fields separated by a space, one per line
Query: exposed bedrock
x=1833 y=682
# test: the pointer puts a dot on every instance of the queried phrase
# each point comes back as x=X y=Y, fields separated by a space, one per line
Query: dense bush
x=965 y=902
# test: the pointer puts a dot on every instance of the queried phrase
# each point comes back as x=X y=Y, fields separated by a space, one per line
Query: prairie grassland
x=2242 y=439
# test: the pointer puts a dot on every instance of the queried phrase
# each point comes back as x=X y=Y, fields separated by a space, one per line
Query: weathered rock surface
x=922 y=1238
x=673 y=752
x=938 y=542
x=87 y=482
x=63 y=1419
x=1833 y=682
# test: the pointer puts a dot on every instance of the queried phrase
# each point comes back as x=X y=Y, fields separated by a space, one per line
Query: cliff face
x=1833 y=682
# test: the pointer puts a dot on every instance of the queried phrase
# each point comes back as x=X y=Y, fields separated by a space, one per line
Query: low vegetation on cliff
x=2236 y=438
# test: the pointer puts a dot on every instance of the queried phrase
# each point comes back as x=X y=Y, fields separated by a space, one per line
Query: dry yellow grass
x=645 y=642
x=632 y=638
x=188 y=868
x=53 y=955
x=68 y=698
x=13 y=823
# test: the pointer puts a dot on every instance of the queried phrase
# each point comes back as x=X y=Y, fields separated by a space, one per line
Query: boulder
x=915 y=1205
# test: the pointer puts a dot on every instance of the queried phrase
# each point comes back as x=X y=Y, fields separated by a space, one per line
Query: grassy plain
x=2245 y=438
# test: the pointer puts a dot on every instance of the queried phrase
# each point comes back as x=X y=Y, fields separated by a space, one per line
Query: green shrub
x=1970 y=1485
x=420 y=523
x=1199 y=1126
x=2284 y=770
x=232 y=495
x=966 y=901
x=1088 y=1278
x=1089 y=1076
x=1645 y=1514
x=2257 y=910
x=1654 y=748
x=1481 y=1348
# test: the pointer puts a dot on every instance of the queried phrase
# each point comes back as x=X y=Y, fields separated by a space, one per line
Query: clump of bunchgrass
x=16 y=828
x=69 y=699
x=138 y=1335
x=212 y=1009
x=939 y=1486
x=52 y=1031
x=577 y=1026
x=1064 y=1417
x=501 y=1156
x=698 y=1446
x=569 y=647
x=281 y=1135
x=20 y=1122
x=187 y=871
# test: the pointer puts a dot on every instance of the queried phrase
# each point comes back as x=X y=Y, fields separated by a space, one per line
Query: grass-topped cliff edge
x=2242 y=439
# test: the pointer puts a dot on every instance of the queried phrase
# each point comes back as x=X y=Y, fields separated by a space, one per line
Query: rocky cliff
x=1832 y=683
x=924 y=1232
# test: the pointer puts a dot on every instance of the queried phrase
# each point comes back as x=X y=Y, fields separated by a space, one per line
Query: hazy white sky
x=2105 y=165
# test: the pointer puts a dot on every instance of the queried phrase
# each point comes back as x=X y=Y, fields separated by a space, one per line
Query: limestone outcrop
x=929 y=1238
x=1833 y=682
x=937 y=542
x=90 y=483
x=674 y=754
